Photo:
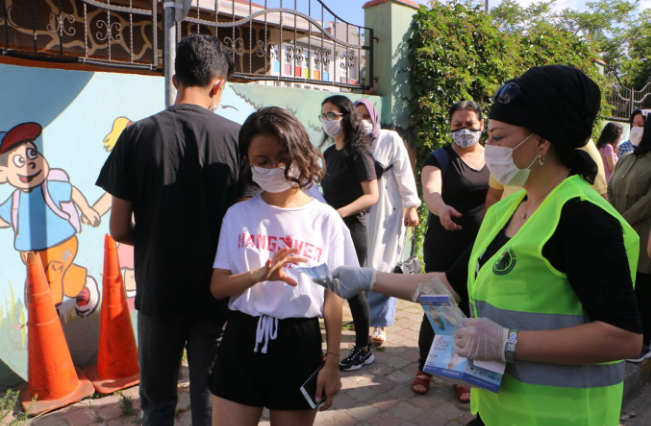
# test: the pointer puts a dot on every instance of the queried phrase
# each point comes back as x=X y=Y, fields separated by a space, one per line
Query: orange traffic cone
x=53 y=380
x=117 y=355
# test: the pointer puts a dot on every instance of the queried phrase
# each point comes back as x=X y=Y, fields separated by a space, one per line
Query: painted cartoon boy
x=43 y=215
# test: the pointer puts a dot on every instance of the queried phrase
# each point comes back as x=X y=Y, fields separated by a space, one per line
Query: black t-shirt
x=180 y=169
x=463 y=188
x=342 y=183
x=588 y=246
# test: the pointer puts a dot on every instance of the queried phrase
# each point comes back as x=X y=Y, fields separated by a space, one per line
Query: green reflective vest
x=518 y=288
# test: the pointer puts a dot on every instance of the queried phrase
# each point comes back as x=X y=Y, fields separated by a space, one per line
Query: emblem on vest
x=505 y=263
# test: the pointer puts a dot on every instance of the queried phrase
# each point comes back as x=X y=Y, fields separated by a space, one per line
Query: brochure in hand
x=320 y=271
x=445 y=317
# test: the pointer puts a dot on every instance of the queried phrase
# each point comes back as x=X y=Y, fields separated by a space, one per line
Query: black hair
x=610 y=134
x=645 y=142
x=465 y=105
x=356 y=139
x=634 y=113
x=297 y=149
x=200 y=59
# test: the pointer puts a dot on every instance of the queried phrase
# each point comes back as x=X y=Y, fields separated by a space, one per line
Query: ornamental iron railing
x=623 y=99
x=287 y=40
x=295 y=41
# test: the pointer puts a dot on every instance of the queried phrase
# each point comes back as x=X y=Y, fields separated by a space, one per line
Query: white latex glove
x=481 y=339
x=348 y=281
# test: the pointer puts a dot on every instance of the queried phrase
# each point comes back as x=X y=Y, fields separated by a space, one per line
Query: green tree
x=458 y=52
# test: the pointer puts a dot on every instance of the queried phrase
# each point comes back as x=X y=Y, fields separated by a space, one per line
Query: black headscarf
x=558 y=103
x=645 y=142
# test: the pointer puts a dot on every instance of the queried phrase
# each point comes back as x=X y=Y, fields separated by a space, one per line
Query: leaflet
x=320 y=271
x=445 y=317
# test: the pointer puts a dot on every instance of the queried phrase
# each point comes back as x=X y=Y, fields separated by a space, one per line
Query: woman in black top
x=350 y=186
x=455 y=182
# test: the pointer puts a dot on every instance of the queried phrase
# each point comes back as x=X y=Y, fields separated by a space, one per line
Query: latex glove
x=481 y=339
x=348 y=281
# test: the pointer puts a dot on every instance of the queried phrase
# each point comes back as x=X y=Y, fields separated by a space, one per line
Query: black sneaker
x=356 y=359
x=646 y=353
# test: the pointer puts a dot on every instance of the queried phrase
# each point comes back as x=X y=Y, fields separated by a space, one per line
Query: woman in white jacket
x=395 y=209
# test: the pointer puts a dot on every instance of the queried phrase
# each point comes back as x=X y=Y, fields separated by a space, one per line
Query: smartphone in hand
x=308 y=389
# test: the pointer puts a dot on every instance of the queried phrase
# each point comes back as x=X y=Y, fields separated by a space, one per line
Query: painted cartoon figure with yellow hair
x=103 y=205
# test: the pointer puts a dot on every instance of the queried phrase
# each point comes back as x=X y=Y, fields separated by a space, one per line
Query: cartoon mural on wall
x=42 y=211
x=103 y=205
x=50 y=156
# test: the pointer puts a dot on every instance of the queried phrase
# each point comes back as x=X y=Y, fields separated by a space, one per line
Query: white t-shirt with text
x=253 y=230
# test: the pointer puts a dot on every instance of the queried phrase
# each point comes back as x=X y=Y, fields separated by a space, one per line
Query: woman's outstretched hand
x=273 y=268
x=348 y=281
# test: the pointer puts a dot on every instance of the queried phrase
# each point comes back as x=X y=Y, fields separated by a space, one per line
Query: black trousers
x=358 y=304
x=643 y=295
x=160 y=349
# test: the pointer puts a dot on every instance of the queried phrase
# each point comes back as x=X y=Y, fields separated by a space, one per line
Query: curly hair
x=356 y=139
x=298 y=153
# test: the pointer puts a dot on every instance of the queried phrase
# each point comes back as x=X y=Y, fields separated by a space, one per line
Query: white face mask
x=465 y=138
x=636 y=135
x=332 y=128
x=499 y=160
x=368 y=126
x=271 y=180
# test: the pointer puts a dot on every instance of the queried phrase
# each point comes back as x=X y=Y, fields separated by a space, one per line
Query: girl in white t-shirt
x=272 y=342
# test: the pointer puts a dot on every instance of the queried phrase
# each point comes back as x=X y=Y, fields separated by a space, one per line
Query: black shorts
x=270 y=380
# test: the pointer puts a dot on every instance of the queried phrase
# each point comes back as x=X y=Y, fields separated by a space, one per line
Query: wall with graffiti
x=56 y=130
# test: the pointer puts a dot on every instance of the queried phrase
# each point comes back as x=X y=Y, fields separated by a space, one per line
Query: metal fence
x=287 y=40
x=624 y=100
x=291 y=41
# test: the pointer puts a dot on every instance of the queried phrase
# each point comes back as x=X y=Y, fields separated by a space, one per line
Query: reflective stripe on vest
x=567 y=376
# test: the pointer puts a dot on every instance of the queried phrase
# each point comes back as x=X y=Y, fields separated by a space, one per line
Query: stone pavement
x=378 y=395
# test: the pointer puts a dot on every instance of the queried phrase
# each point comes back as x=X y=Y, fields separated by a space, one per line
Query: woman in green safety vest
x=550 y=276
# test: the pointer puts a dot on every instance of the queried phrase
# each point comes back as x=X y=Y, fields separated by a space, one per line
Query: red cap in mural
x=25 y=132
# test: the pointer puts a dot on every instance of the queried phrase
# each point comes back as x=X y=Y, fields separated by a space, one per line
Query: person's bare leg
x=292 y=418
x=229 y=413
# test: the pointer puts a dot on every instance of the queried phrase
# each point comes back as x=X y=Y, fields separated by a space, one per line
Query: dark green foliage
x=457 y=52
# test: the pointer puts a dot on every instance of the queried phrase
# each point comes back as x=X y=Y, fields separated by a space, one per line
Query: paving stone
x=429 y=419
x=397 y=362
x=401 y=392
x=399 y=376
x=48 y=420
x=363 y=412
x=405 y=411
x=81 y=417
x=344 y=401
x=110 y=412
x=362 y=393
x=385 y=419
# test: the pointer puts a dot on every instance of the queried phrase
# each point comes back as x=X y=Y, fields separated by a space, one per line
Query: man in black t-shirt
x=177 y=173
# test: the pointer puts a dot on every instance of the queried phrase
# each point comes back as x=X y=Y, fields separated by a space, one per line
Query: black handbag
x=411 y=265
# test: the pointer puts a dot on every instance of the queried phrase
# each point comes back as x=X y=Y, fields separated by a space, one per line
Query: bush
x=458 y=53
